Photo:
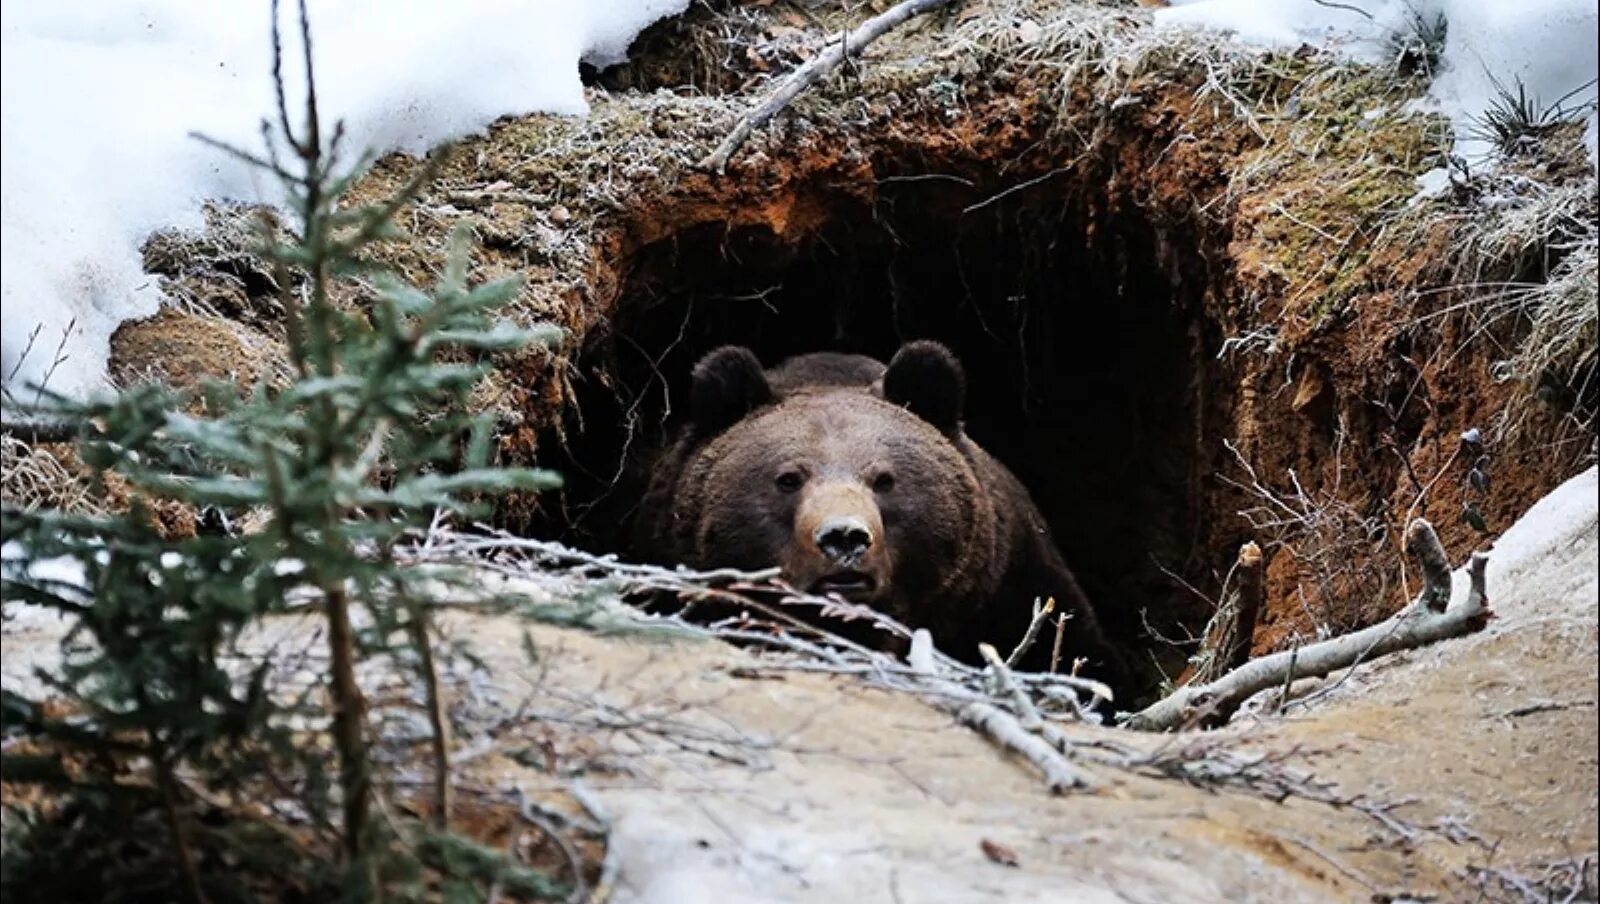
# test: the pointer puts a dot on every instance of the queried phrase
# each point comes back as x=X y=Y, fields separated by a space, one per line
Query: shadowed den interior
x=1080 y=330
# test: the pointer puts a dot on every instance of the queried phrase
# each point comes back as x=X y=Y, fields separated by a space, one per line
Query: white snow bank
x=1549 y=46
x=1544 y=564
x=99 y=98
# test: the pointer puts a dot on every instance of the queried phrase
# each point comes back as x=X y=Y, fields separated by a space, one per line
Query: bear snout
x=838 y=544
x=844 y=540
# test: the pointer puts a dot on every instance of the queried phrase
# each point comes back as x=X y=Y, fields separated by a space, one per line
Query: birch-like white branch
x=1425 y=621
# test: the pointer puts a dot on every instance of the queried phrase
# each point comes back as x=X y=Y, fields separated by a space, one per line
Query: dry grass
x=34 y=477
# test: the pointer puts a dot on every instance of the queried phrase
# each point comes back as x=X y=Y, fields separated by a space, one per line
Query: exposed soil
x=1139 y=266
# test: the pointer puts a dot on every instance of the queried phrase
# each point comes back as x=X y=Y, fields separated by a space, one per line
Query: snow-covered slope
x=99 y=98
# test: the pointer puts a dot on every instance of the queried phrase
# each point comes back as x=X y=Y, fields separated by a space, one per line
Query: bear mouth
x=849 y=583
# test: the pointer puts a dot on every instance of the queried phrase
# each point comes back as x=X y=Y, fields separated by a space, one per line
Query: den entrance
x=1087 y=354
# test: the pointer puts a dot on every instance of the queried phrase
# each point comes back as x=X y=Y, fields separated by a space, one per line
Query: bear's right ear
x=728 y=384
x=926 y=379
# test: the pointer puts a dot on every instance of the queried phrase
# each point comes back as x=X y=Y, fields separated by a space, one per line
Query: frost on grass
x=99 y=102
x=1484 y=49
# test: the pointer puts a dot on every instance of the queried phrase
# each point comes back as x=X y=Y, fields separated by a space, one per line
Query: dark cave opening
x=1081 y=330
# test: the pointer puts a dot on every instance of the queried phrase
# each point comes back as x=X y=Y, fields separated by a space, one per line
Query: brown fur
x=777 y=458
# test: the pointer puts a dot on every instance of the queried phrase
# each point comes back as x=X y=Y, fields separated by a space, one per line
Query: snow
x=1549 y=46
x=99 y=99
x=1548 y=554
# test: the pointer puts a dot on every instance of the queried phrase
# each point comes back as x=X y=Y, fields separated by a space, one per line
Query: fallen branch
x=813 y=71
x=1027 y=713
x=1419 y=624
x=998 y=725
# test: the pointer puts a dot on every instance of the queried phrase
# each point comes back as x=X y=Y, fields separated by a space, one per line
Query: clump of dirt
x=1197 y=296
x=181 y=350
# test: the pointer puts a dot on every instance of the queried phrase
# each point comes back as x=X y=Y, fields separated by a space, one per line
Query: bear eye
x=883 y=483
x=790 y=481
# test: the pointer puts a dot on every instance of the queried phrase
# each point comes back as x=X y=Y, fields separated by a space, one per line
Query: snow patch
x=1547 y=46
x=99 y=99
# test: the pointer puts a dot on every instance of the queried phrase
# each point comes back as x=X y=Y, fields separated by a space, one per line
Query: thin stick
x=35 y=432
x=994 y=723
x=1055 y=648
x=1041 y=614
x=438 y=721
x=180 y=839
x=813 y=71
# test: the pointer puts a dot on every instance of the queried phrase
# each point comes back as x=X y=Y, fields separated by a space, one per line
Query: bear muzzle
x=839 y=546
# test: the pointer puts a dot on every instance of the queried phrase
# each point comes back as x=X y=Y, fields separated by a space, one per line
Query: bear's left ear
x=727 y=385
x=926 y=379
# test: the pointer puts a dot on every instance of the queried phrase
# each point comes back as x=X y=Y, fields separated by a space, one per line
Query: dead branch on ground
x=1419 y=624
x=35 y=431
x=814 y=70
x=1026 y=714
x=1022 y=736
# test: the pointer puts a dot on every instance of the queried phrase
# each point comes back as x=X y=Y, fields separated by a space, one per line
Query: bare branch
x=999 y=726
x=1027 y=713
x=34 y=432
x=1415 y=626
x=813 y=71
x=1041 y=614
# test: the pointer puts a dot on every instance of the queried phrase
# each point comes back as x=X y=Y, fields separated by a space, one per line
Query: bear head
x=849 y=476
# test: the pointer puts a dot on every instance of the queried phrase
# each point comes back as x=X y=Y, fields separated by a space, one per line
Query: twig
x=438 y=721
x=182 y=850
x=813 y=71
x=1027 y=713
x=580 y=887
x=1041 y=614
x=35 y=432
x=1020 y=186
x=1416 y=625
x=1055 y=648
x=999 y=726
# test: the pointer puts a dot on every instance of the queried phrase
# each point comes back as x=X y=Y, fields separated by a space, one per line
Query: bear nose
x=843 y=540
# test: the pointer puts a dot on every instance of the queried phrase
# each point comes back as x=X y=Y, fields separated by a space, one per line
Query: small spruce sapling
x=368 y=438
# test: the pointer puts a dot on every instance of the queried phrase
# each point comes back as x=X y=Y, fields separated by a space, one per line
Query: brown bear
x=858 y=479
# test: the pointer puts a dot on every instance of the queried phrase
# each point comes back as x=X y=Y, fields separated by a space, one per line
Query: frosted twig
x=1001 y=727
x=1027 y=713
